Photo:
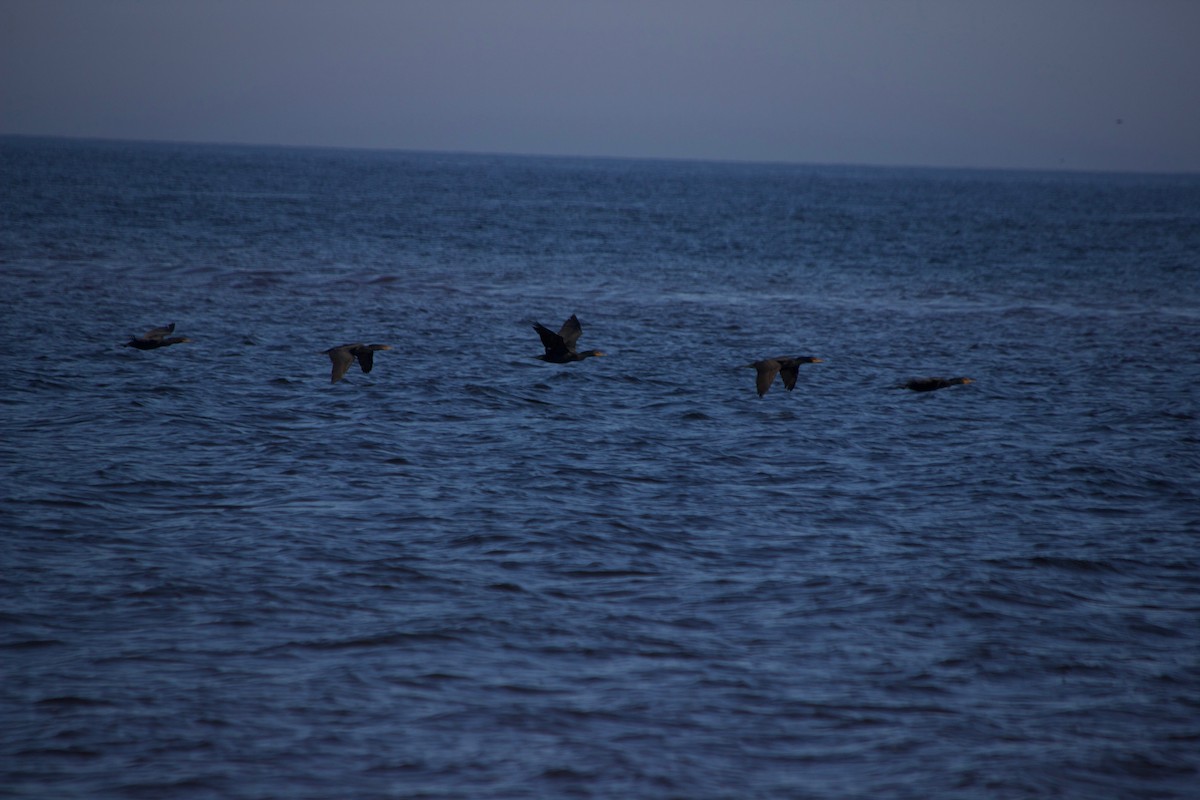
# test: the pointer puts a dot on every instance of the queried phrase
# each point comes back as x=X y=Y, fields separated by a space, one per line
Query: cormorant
x=560 y=347
x=155 y=338
x=929 y=384
x=343 y=356
x=786 y=366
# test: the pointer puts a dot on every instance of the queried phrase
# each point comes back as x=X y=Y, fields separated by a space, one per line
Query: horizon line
x=597 y=157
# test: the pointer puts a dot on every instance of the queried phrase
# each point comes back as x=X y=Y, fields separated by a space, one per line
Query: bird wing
x=550 y=340
x=790 y=372
x=158 y=333
x=366 y=358
x=341 y=359
x=570 y=332
x=767 y=370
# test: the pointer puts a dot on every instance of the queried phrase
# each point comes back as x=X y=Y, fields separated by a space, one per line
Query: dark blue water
x=471 y=574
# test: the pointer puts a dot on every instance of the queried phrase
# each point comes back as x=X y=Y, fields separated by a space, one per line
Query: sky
x=1011 y=84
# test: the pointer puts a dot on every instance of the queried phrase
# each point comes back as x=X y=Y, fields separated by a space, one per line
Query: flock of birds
x=560 y=349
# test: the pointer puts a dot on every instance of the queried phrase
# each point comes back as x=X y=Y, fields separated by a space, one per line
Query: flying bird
x=560 y=347
x=155 y=338
x=343 y=356
x=789 y=368
x=930 y=384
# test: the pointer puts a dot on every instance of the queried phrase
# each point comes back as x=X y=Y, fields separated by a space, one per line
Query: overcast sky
x=1078 y=84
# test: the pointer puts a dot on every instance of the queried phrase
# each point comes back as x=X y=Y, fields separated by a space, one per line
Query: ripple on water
x=482 y=575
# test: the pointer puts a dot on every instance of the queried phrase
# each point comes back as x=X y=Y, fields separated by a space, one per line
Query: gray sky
x=1078 y=84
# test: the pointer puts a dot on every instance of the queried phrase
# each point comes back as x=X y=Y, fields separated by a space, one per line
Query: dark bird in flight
x=155 y=338
x=789 y=368
x=343 y=356
x=560 y=347
x=930 y=384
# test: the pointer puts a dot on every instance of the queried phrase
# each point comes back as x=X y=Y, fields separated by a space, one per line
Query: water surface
x=472 y=574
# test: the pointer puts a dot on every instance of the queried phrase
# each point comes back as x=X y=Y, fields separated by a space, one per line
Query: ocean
x=473 y=574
